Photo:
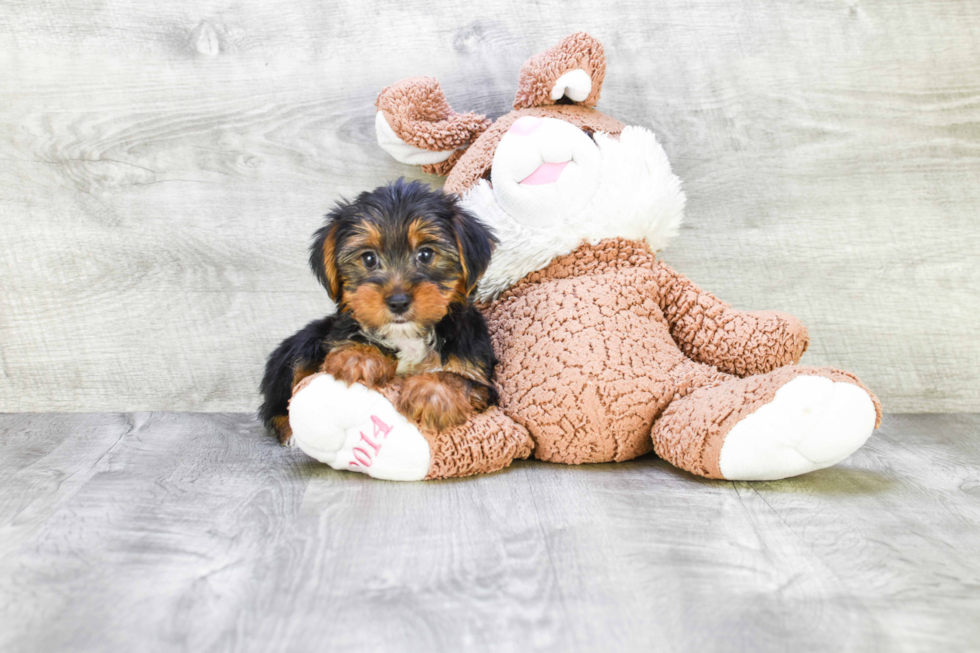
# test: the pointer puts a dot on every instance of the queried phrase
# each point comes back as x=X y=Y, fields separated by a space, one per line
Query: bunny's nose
x=526 y=125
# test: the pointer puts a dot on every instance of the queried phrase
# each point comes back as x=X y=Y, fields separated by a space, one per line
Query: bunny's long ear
x=416 y=125
x=570 y=72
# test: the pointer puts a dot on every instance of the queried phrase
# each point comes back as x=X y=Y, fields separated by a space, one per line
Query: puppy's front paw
x=436 y=401
x=359 y=363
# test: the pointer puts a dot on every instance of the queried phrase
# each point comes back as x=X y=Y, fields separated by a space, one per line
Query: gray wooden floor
x=195 y=532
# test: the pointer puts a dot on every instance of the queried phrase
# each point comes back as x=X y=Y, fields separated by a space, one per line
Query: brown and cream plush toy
x=605 y=352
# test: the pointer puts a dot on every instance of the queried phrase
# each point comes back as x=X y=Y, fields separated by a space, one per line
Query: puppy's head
x=401 y=254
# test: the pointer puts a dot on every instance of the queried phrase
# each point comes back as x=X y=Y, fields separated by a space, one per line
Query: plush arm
x=712 y=332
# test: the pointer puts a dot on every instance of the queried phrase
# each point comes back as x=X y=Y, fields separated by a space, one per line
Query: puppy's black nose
x=398 y=303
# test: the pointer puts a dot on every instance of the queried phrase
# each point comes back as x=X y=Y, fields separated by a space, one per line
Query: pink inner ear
x=547 y=173
x=526 y=125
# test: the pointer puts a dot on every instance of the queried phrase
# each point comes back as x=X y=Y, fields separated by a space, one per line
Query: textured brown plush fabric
x=443 y=167
x=707 y=329
x=586 y=357
x=738 y=342
x=476 y=161
x=417 y=110
x=488 y=442
x=692 y=429
x=593 y=349
x=540 y=72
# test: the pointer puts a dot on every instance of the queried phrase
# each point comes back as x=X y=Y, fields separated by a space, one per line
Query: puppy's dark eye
x=370 y=260
x=425 y=255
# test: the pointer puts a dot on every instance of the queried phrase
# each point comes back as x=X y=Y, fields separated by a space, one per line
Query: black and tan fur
x=400 y=262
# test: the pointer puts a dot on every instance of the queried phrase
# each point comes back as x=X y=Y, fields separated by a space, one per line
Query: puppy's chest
x=414 y=352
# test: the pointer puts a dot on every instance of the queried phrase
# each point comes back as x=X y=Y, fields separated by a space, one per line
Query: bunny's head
x=552 y=173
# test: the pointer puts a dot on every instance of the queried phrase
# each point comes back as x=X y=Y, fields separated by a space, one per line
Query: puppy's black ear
x=323 y=256
x=475 y=243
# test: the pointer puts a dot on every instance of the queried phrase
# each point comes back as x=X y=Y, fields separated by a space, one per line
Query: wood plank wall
x=162 y=165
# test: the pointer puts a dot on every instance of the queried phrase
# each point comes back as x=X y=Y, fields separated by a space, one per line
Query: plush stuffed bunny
x=605 y=351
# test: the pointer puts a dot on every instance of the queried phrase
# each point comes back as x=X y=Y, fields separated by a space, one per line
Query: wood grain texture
x=198 y=532
x=162 y=166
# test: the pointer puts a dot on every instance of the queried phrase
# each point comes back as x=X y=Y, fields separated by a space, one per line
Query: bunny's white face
x=552 y=187
x=545 y=172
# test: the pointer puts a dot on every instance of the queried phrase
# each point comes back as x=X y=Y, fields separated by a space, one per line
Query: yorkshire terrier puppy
x=400 y=262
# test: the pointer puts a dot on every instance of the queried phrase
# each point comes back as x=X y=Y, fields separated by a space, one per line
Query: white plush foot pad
x=354 y=428
x=811 y=423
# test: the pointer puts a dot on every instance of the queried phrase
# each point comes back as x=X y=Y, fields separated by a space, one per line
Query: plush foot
x=351 y=427
x=767 y=427
x=810 y=424
x=354 y=428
